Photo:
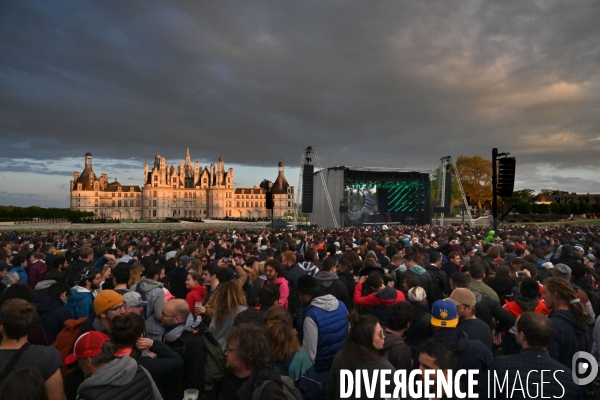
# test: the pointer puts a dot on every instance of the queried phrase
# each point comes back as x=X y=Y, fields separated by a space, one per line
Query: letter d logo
x=591 y=367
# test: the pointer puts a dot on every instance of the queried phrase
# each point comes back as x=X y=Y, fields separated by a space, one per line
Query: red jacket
x=386 y=297
x=196 y=294
x=516 y=307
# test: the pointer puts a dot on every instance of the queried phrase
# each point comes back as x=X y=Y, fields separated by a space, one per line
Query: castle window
x=174 y=180
x=194 y=194
x=130 y=203
x=96 y=194
x=119 y=195
x=154 y=193
x=113 y=203
x=154 y=213
x=119 y=203
x=238 y=204
x=174 y=186
x=185 y=195
x=113 y=195
x=155 y=178
x=174 y=195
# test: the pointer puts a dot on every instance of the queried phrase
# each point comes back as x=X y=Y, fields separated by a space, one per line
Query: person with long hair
x=24 y=384
x=135 y=276
x=284 y=347
x=127 y=332
x=361 y=351
x=225 y=303
x=568 y=316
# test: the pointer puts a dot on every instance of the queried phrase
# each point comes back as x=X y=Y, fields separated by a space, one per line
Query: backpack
x=286 y=384
x=65 y=341
x=144 y=297
x=214 y=364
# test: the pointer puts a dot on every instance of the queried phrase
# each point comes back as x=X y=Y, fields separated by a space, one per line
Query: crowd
x=278 y=315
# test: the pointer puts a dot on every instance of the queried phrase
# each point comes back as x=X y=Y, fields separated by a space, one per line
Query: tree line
x=12 y=213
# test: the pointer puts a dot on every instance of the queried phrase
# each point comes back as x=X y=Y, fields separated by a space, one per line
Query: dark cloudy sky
x=387 y=83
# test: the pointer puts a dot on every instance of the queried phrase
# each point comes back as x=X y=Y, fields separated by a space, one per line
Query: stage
x=367 y=195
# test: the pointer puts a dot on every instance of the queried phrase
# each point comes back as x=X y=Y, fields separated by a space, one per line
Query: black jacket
x=533 y=360
x=292 y=274
x=441 y=283
x=449 y=268
x=193 y=351
x=233 y=391
x=333 y=286
x=165 y=368
x=177 y=279
x=52 y=315
x=487 y=310
x=568 y=336
x=55 y=275
x=347 y=278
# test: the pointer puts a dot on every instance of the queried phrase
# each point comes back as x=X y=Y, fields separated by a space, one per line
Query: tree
x=524 y=194
x=476 y=177
x=552 y=192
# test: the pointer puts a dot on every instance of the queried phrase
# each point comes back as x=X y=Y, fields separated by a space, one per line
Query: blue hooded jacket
x=81 y=302
x=22 y=274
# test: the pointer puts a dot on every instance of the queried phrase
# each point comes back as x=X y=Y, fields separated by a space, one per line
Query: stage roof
x=381 y=169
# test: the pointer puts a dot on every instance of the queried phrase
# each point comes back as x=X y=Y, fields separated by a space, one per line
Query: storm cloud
x=396 y=84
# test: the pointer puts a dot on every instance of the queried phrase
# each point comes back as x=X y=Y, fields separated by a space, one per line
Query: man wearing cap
x=132 y=303
x=81 y=301
x=476 y=329
x=107 y=304
x=325 y=324
x=470 y=354
x=109 y=377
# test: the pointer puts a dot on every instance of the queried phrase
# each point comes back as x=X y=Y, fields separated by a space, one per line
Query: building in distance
x=185 y=191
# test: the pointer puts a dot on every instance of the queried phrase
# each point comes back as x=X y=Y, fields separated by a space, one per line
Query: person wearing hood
x=331 y=282
x=37 y=269
x=441 y=287
x=178 y=277
x=151 y=291
x=19 y=263
x=81 y=301
x=568 y=318
x=179 y=326
x=51 y=310
x=324 y=327
x=345 y=274
x=107 y=376
x=379 y=300
x=414 y=269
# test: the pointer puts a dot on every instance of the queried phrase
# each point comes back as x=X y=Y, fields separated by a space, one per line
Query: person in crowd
x=345 y=274
x=310 y=258
x=24 y=384
x=413 y=269
x=273 y=271
x=377 y=302
x=420 y=328
x=133 y=303
x=81 y=300
x=467 y=321
x=453 y=264
x=476 y=273
x=151 y=290
x=120 y=275
x=107 y=305
x=568 y=319
x=534 y=332
x=291 y=270
x=361 y=351
x=268 y=296
x=109 y=376
x=179 y=325
x=210 y=279
x=197 y=291
x=52 y=312
x=19 y=263
x=501 y=283
x=178 y=277
x=247 y=355
x=57 y=273
x=441 y=287
x=325 y=324
x=331 y=283
x=135 y=274
x=17 y=319
x=225 y=304
x=398 y=353
x=127 y=336
x=285 y=350
x=437 y=355
x=470 y=354
x=76 y=268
